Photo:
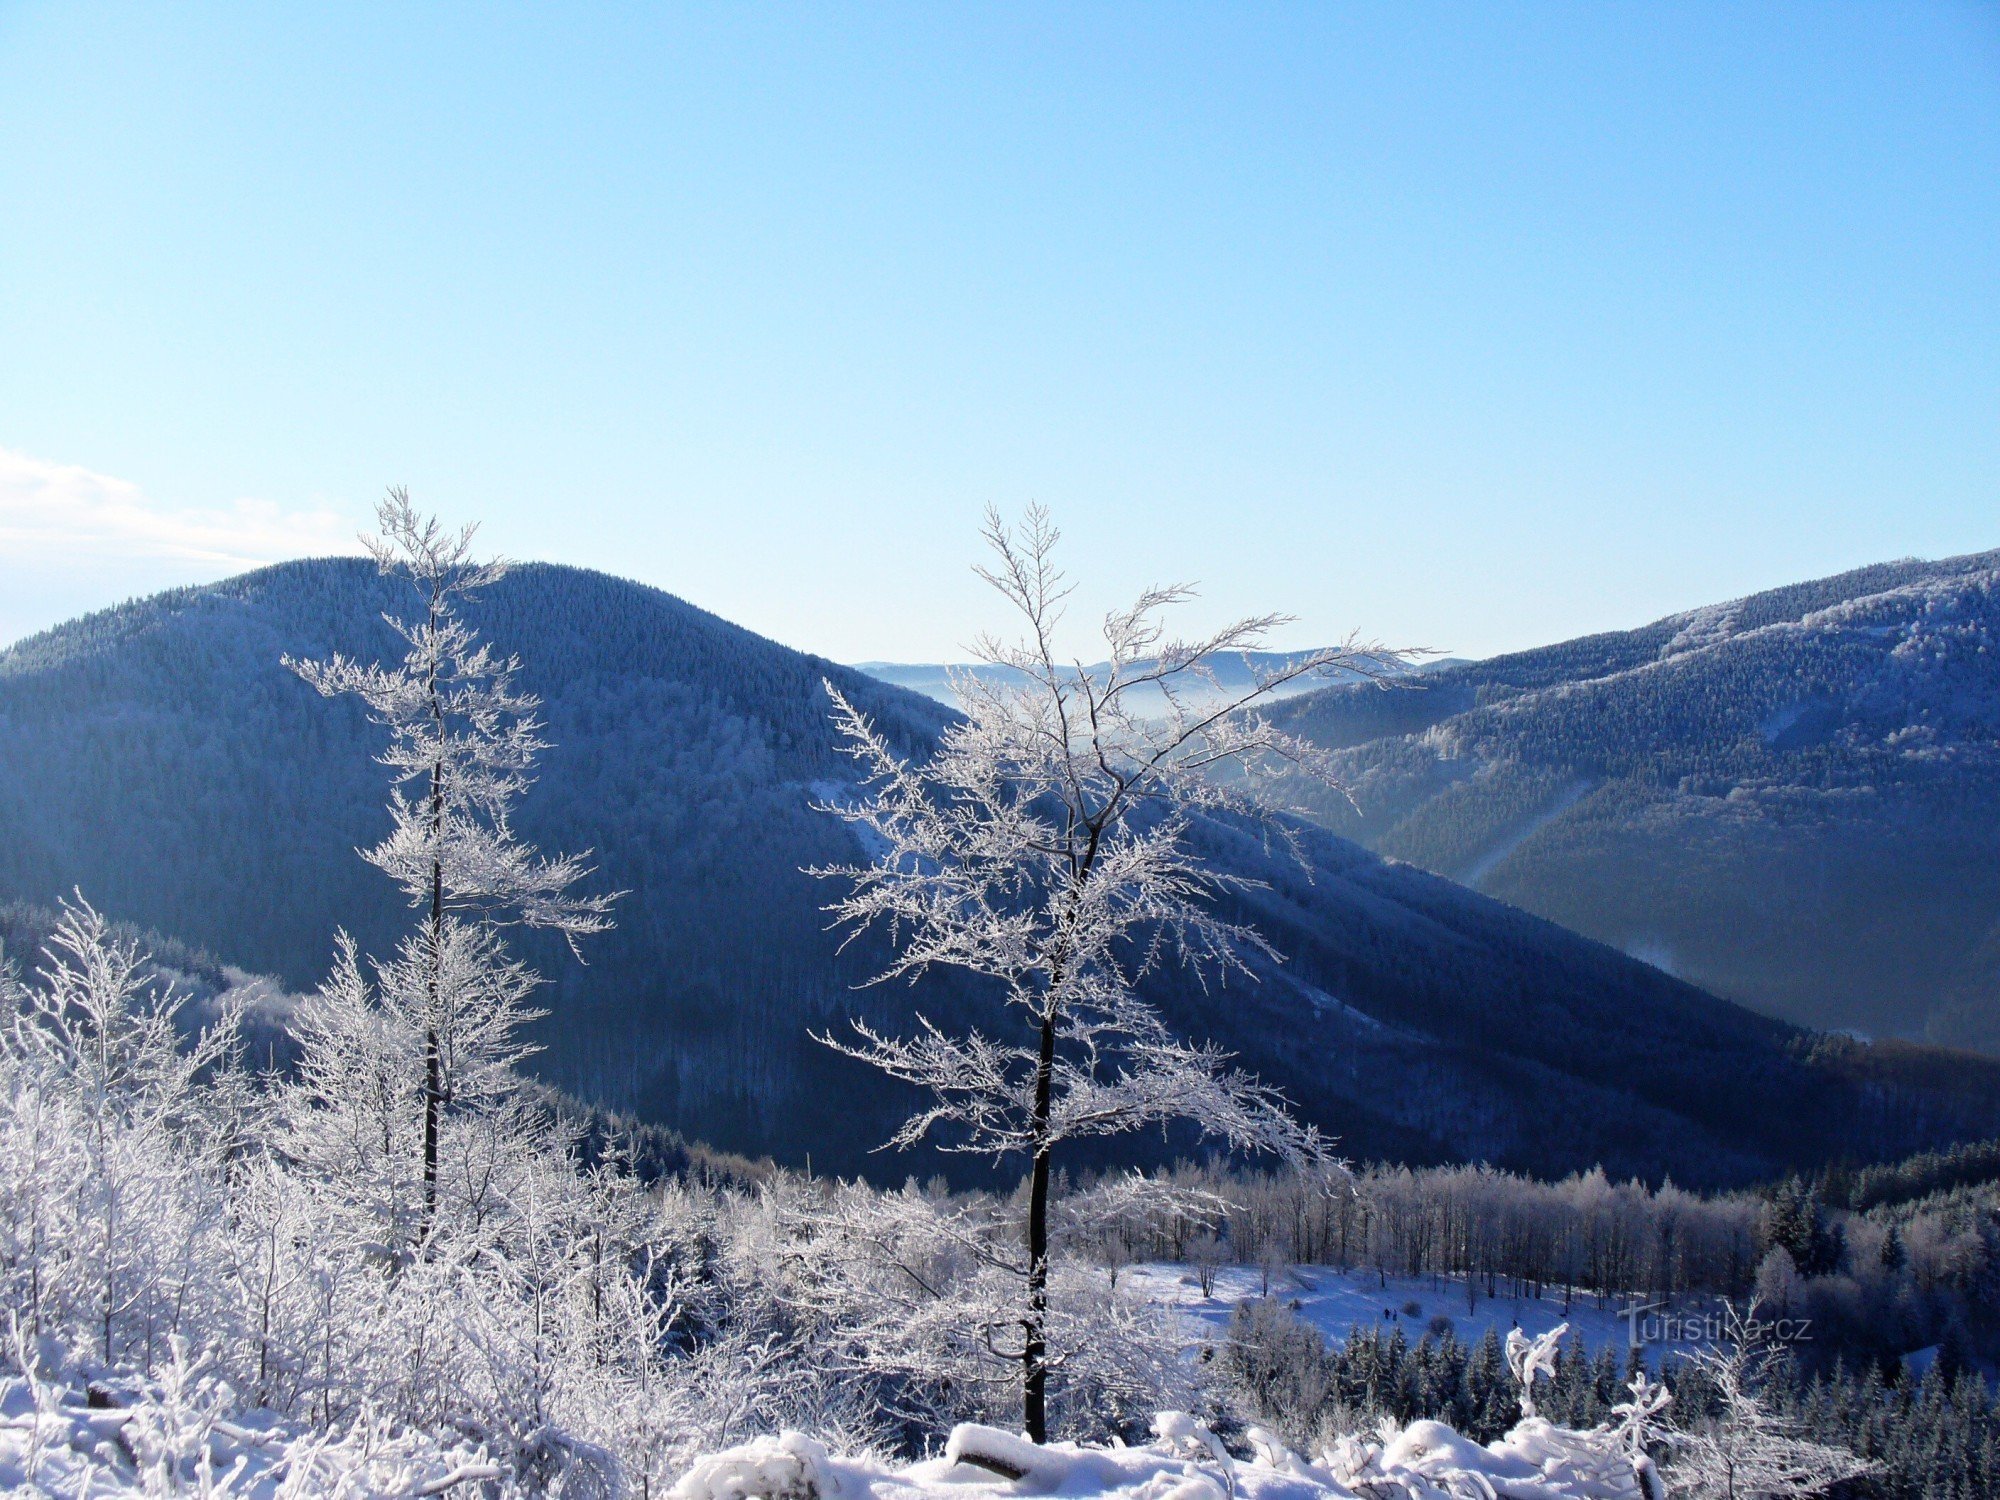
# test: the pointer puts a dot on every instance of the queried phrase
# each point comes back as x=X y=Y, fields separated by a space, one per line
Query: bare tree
x=1045 y=846
x=1743 y=1450
x=465 y=739
x=101 y=1046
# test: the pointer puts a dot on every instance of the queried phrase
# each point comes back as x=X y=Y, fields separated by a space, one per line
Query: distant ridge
x=158 y=756
x=1791 y=798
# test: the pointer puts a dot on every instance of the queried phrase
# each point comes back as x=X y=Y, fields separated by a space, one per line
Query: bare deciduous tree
x=1045 y=846
x=1744 y=1450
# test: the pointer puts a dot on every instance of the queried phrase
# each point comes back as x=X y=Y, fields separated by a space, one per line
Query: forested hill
x=159 y=757
x=1792 y=799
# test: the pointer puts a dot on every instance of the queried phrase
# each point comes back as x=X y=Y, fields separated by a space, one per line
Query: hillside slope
x=1792 y=800
x=158 y=756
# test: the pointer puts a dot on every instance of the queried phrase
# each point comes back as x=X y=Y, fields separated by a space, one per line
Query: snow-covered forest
x=207 y=1270
x=1794 y=751
x=392 y=1264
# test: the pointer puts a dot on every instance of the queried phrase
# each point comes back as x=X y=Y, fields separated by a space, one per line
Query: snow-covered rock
x=790 y=1466
x=1031 y=1468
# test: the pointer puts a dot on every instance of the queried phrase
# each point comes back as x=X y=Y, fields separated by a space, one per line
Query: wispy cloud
x=68 y=514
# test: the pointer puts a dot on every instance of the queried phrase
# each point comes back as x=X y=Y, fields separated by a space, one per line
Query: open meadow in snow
x=1337 y=1302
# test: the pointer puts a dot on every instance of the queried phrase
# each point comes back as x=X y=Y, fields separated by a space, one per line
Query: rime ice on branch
x=463 y=741
x=1045 y=846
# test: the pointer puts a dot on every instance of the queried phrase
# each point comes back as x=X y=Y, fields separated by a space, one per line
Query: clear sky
x=1468 y=326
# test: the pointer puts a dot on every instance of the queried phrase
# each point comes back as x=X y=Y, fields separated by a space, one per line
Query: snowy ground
x=53 y=1442
x=58 y=1441
x=1335 y=1302
x=175 y=1438
x=171 y=1437
x=1424 y=1461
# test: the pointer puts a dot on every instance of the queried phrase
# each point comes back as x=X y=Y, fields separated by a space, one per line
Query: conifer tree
x=463 y=741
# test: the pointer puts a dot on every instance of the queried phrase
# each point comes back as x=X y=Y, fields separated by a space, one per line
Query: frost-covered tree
x=1046 y=847
x=115 y=1129
x=463 y=741
x=352 y=1113
x=1743 y=1449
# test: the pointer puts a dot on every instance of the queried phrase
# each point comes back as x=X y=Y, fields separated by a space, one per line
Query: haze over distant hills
x=159 y=756
x=1791 y=799
x=1233 y=675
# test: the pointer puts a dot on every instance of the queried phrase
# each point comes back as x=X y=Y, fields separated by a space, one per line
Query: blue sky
x=1467 y=326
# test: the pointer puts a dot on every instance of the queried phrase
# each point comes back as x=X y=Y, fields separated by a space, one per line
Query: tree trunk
x=432 y=1092
x=1034 y=1328
x=1034 y=1344
x=433 y=1079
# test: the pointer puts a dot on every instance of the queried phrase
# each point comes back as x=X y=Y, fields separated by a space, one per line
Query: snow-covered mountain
x=158 y=756
x=1791 y=799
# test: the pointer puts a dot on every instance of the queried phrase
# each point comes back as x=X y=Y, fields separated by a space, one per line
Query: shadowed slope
x=1792 y=799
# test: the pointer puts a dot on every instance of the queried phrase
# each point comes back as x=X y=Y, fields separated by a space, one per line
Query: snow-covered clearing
x=1336 y=1302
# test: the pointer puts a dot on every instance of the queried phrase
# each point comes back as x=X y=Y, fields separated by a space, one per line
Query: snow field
x=1336 y=1302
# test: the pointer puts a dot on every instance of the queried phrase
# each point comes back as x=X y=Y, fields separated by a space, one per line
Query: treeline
x=1969 y=1164
x=1909 y=1273
x=1508 y=1234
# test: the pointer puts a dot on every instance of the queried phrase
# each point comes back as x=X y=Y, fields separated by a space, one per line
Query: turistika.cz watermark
x=1655 y=1323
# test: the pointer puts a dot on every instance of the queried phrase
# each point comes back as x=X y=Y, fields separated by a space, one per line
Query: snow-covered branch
x=1044 y=846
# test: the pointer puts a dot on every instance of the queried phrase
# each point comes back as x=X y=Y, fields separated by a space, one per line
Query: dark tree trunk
x=1034 y=1343
x=433 y=1063
x=1034 y=1327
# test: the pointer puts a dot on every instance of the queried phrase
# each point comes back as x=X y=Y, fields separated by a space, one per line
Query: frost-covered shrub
x=898 y=1314
x=790 y=1466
